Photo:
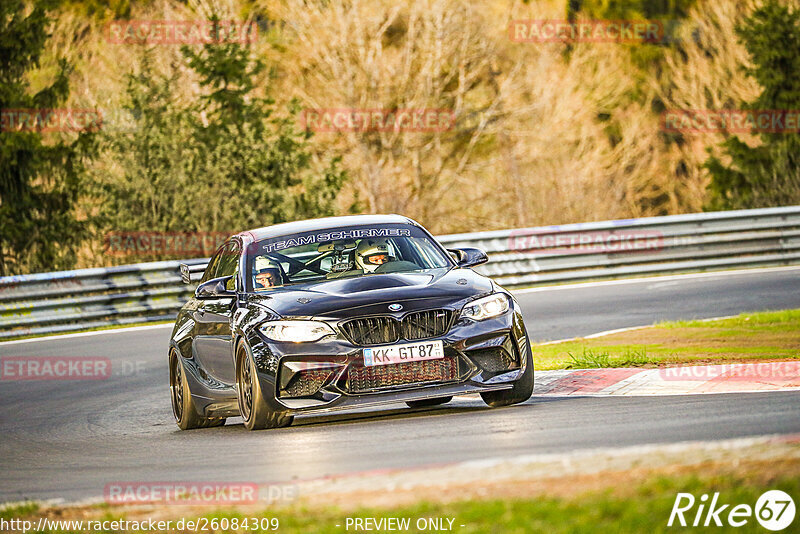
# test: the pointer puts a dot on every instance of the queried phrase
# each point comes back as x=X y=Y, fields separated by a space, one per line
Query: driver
x=268 y=274
x=372 y=253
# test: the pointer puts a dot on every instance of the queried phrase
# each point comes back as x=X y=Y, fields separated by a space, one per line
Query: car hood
x=371 y=294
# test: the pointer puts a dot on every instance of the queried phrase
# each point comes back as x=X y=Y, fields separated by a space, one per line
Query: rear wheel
x=252 y=407
x=183 y=407
x=425 y=403
x=522 y=390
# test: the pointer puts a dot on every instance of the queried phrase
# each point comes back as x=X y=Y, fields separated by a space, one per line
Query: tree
x=629 y=9
x=145 y=186
x=767 y=174
x=254 y=160
x=39 y=181
x=220 y=160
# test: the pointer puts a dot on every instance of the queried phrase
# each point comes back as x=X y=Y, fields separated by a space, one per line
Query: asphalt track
x=68 y=439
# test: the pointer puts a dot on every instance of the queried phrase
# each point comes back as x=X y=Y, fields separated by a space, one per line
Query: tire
x=183 y=407
x=522 y=390
x=425 y=403
x=252 y=407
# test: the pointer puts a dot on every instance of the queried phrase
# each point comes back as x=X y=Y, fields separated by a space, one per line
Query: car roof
x=325 y=223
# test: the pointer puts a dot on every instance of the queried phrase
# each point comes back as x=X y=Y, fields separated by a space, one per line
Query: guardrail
x=75 y=300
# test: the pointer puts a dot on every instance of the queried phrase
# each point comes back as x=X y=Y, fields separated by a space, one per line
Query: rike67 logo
x=774 y=510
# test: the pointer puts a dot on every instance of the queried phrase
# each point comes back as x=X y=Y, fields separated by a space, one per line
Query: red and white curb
x=723 y=378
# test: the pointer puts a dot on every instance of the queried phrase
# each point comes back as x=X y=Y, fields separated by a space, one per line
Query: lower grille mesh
x=493 y=360
x=305 y=383
x=361 y=378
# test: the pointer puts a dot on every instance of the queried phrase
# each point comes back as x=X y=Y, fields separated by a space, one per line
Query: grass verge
x=744 y=338
x=637 y=500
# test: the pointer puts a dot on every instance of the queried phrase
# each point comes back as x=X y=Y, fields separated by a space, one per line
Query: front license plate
x=409 y=352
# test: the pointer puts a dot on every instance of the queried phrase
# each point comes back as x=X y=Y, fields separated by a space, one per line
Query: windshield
x=340 y=253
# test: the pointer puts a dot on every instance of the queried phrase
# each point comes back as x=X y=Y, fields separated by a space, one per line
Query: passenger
x=267 y=278
x=268 y=274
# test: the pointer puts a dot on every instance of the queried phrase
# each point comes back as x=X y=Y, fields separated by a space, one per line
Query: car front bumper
x=299 y=378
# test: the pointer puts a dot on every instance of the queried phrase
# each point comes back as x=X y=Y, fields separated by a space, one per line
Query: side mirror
x=469 y=257
x=186 y=276
x=215 y=288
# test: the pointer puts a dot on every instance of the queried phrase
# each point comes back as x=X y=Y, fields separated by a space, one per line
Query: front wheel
x=183 y=407
x=252 y=406
x=522 y=390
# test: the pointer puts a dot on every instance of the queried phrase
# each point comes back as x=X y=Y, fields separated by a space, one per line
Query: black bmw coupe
x=338 y=313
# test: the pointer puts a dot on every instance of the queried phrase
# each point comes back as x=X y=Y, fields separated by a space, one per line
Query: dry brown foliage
x=544 y=134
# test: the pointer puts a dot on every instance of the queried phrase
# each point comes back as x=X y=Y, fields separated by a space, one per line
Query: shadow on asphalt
x=395 y=414
x=385 y=415
x=408 y=413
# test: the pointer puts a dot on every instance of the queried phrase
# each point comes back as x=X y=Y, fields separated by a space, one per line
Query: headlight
x=486 y=307
x=296 y=331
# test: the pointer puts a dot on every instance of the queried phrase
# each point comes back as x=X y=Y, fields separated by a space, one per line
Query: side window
x=229 y=263
x=232 y=283
x=213 y=264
